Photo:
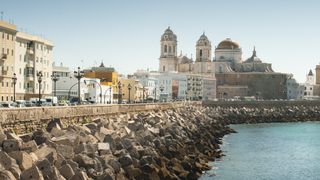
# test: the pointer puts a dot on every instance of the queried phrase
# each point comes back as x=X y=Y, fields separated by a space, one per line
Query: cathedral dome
x=168 y=35
x=185 y=60
x=254 y=58
x=203 y=40
x=228 y=44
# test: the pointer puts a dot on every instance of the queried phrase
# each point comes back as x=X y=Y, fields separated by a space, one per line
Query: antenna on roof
x=1 y=15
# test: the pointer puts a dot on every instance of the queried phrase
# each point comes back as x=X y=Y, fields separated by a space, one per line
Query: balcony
x=3 y=57
x=3 y=72
x=30 y=63
x=30 y=77
x=30 y=50
x=29 y=90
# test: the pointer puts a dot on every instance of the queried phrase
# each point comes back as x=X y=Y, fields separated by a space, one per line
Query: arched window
x=164 y=68
x=165 y=48
x=174 y=49
x=169 y=49
x=220 y=69
x=200 y=52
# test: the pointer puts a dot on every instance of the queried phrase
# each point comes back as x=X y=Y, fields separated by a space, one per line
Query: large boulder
x=32 y=173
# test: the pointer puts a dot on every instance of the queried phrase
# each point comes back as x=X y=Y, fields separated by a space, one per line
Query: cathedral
x=228 y=57
x=235 y=76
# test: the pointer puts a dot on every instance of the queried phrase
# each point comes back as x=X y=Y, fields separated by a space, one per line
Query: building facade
x=24 y=55
x=33 y=55
x=7 y=60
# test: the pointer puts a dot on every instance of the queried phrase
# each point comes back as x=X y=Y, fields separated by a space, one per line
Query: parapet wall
x=260 y=104
x=33 y=115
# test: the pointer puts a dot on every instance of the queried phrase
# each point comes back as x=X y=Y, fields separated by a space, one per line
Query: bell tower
x=203 y=49
x=168 y=53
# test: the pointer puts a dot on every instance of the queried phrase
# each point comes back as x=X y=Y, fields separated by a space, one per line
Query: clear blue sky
x=126 y=33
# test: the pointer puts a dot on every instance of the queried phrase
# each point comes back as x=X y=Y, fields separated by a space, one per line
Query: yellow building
x=7 y=56
x=136 y=91
x=107 y=75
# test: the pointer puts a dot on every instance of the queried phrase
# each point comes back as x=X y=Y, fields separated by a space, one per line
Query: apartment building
x=33 y=54
x=25 y=55
x=7 y=57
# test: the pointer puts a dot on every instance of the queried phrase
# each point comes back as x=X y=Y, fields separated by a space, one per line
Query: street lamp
x=55 y=78
x=119 y=93
x=14 y=79
x=155 y=94
x=79 y=74
x=143 y=89
x=129 y=88
x=39 y=75
x=161 y=89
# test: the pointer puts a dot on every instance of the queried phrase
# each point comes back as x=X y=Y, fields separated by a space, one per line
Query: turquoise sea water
x=280 y=151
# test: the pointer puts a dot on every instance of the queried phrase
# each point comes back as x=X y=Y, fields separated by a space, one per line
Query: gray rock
x=45 y=167
x=30 y=146
x=125 y=160
x=10 y=145
x=67 y=171
x=23 y=159
x=32 y=173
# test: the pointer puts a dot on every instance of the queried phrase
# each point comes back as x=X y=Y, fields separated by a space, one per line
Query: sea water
x=280 y=151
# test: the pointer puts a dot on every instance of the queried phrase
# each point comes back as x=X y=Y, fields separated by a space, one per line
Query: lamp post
x=161 y=89
x=39 y=75
x=129 y=89
x=155 y=94
x=143 y=89
x=119 y=93
x=14 y=80
x=79 y=74
x=55 y=78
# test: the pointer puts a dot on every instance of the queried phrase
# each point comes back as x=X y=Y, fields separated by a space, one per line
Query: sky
x=125 y=34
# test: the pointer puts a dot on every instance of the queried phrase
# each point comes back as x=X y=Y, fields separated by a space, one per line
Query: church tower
x=203 y=49
x=203 y=63
x=168 y=55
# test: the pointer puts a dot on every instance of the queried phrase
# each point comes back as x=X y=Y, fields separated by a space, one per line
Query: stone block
x=46 y=152
x=125 y=160
x=56 y=122
x=66 y=151
x=6 y=161
x=84 y=161
x=45 y=167
x=32 y=173
x=66 y=171
x=23 y=159
x=10 y=145
x=104 y=148
x=29 y=146
x=6 y=175
x=80 y=176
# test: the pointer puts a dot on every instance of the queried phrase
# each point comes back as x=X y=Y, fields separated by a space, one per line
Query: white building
x=98 y=93
x=309 y=85
x=172 y=85
x=32 y=55
x=294 y=89
x=150 y=82
x=201 y=87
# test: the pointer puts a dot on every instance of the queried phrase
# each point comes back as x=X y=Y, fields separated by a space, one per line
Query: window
x=200 y=52
x=7 y=39
x=165 y=48
x=169 y=49
x=164 y=68
x=12 y=52
x=20 y=71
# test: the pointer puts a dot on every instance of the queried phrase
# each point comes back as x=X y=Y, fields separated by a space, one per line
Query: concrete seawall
x=36 y=117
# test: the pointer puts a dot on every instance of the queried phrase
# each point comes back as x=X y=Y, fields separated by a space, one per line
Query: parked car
x=8 y=105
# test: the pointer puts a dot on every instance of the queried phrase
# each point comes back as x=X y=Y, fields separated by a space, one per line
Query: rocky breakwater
x=160 y=144
x=242 y=115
